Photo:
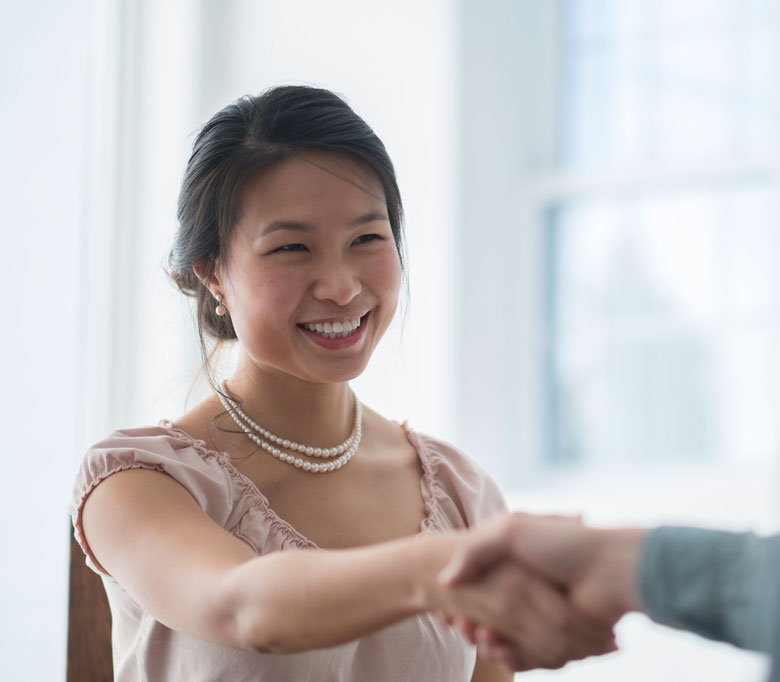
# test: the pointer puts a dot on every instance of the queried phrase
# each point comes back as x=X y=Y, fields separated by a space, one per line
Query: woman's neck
x=317 y=414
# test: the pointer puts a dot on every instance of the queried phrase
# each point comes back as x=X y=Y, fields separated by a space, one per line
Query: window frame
x=509 y=183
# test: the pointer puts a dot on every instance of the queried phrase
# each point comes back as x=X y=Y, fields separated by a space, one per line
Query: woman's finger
x=481 y=549
x=534 y=616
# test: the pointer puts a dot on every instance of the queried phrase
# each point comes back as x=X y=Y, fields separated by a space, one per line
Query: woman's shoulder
x=162 y=447
x=158 y=443
x=165 y=442
x=447 y=458
x=392 y=434
x=462 y=488
x=434 y=453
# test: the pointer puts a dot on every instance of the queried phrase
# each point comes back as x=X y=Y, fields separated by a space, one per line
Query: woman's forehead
x=311 y=184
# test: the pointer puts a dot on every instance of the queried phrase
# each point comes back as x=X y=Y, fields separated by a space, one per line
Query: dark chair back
x=89 y=623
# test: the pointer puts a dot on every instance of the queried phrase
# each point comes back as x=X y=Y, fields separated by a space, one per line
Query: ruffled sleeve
x=150 y=448
x=457 y=492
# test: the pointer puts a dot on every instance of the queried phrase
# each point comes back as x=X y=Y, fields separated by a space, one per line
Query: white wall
x=44 y=62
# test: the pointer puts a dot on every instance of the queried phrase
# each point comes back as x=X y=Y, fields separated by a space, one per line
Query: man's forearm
x=721 y=585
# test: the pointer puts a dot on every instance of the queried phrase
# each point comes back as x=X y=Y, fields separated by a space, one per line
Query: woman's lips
x=342 y=339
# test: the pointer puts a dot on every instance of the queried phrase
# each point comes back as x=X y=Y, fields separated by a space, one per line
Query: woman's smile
x=338 y=334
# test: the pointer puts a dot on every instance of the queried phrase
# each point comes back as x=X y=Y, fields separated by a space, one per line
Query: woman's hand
x=595 y=568
x=593 y=571
x=517 y=617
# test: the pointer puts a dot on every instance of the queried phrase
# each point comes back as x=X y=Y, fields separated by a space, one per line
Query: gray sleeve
x=724 y=586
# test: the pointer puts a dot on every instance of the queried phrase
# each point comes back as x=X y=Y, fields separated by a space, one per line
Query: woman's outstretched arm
x=193 y=576
x=148 y=532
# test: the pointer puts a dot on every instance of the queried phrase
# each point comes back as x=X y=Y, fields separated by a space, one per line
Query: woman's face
x=312 y=273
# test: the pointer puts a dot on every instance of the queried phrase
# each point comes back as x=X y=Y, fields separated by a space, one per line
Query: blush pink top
x=456 y=494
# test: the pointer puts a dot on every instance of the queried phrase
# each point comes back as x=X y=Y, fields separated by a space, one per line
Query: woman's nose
x=336 y=281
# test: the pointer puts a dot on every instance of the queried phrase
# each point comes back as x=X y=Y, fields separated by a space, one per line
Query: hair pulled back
x=240 y=141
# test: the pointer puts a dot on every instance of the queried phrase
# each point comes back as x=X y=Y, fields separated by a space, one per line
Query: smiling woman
x=290 y=240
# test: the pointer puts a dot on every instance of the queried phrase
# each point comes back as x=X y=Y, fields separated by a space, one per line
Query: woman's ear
x=210 y=280
x=199 y=271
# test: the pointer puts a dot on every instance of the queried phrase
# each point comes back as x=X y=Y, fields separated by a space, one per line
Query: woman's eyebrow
x=277 y=225
x=299 y=226
x=368 y=218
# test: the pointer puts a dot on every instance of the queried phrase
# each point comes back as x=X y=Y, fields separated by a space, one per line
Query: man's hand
x=512 y=608
x=594 y=572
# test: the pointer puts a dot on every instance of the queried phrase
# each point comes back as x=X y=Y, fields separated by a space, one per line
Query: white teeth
x=334 y=330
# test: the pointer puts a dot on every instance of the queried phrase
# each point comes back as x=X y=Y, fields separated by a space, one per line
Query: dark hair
x=238 y=142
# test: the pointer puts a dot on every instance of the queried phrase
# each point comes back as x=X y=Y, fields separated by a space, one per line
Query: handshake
x=539 y=591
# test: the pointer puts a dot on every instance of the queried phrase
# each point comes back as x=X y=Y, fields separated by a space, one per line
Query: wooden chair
x=89 y=623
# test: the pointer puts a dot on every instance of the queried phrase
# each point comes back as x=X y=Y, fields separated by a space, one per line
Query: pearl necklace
x=252 y=429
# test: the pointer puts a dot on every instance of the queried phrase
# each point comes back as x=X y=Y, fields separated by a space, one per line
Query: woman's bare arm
x=195 y=577
x=190 y=574
x=485 y=671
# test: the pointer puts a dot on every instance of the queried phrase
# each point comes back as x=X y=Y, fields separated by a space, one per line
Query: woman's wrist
x=433 y=553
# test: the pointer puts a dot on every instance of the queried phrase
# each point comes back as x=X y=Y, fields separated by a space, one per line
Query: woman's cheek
x=387 y=273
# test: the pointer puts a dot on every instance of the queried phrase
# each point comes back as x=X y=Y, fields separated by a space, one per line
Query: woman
x=290 y=240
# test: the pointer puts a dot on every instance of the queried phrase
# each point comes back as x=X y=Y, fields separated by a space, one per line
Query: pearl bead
x=252 y=429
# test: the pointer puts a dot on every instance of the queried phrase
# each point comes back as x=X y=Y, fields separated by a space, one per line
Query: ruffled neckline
x=430 y=487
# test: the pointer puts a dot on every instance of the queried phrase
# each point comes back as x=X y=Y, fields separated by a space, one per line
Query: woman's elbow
x=259 y=633
x=257 y=619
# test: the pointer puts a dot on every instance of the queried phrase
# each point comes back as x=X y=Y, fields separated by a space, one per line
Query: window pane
x=650 y=80
x=663 y=320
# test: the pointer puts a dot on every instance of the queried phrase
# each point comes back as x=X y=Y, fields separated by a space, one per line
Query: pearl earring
x=220 y=309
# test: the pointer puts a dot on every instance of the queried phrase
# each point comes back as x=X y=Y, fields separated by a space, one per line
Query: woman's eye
x=365 y=238
x=289 y=247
